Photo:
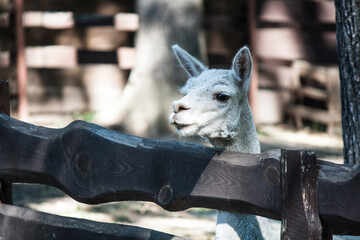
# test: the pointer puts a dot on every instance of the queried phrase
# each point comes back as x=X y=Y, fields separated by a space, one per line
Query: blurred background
x=110 y=62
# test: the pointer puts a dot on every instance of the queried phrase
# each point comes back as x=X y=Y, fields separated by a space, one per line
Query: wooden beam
x=68 y=57
x=110 y=166
x=300 y=217
x=297 y=12
x=64 y=20
x=21 y=70
x=313 y=93
x=51 y=57
x=314 y=114
x=290 y=44
x=127 y=21
x=22 y=223
x=5 y=186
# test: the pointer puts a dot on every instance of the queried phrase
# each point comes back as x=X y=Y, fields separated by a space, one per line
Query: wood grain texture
x=18 y=223
x=338 y=188
x=95 y=165
x=347 y=35
x=300 y=217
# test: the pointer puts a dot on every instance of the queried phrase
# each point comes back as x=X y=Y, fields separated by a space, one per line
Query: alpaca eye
x=222 y=97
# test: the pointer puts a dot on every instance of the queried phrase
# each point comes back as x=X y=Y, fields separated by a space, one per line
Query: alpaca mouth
x=181 y=126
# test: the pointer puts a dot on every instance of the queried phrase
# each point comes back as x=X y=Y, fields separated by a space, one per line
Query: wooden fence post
x=254 y=84
x=21 y=71
x=300 y=216
x=6 y=188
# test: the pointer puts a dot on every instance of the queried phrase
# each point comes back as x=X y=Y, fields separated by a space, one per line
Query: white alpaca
x=215 y=107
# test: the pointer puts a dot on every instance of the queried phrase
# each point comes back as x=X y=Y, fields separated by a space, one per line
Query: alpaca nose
x=180 y=106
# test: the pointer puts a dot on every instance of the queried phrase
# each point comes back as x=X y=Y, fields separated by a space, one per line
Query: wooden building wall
x=289 y=31
x=286 y=32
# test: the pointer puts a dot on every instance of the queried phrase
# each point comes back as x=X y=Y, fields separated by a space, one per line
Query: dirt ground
x=193 y=223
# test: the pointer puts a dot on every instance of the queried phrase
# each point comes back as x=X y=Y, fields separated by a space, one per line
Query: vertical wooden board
x=300 y=216
x=52 y=20
x=4 y=97
x=6 y=188
x=21 y=68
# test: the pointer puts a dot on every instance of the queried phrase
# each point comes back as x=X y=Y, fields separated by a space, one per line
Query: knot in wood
x=272 y=175
x=83 y=162
x=165 y=195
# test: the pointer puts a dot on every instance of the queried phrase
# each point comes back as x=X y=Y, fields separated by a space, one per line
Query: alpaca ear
x=242 y=67
x=191 y=65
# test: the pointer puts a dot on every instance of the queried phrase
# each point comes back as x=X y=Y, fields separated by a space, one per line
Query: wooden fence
x=289 y=31
x=279 y=33
x=19 y=55
x=92 y=164
x=69 y=56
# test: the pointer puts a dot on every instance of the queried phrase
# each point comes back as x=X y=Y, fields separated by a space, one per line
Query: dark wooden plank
x=300 y=217
x=5 y=186
x=339 y=199
x=94 y=165
x=4 y=97
x=18 y=223
x=223 y=23
x=93 y=57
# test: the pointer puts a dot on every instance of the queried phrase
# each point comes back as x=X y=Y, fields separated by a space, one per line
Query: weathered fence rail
x=95 y=165
x=17 y=223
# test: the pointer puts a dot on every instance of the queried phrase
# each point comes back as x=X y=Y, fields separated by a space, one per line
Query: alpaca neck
x=238 y=225
x=245 y=140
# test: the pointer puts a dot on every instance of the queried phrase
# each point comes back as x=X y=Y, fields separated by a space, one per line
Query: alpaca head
x=213 y=98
